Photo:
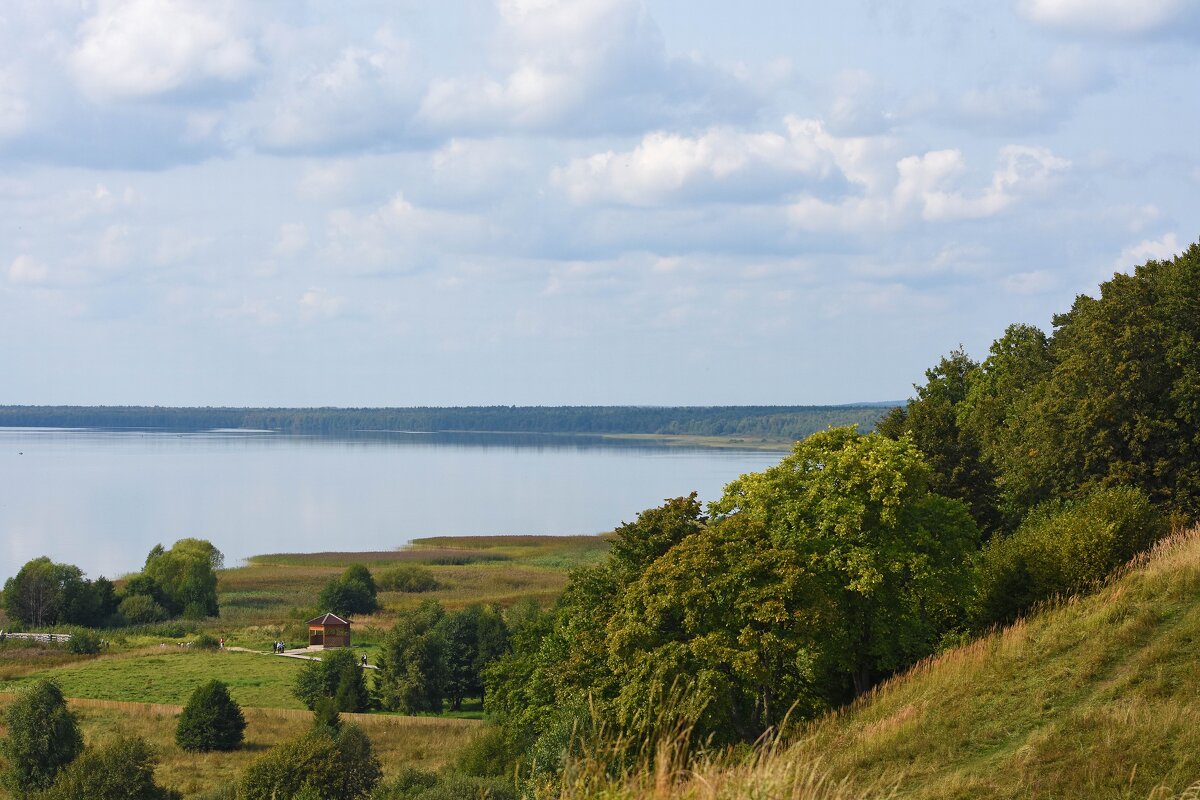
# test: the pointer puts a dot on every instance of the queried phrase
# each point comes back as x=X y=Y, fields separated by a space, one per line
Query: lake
x=102 y=499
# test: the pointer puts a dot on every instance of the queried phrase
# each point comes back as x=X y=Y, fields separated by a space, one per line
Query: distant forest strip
x=777 y=422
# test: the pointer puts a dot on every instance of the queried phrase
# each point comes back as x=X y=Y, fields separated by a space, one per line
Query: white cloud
x=134 y=49
x=928 y=187
x=26 y=269
x=583 y=65
x=114 y=248
x=1029 y=283
x=14 y=108
x=291 y=241
x=1116 y=17
x=319 y=304
x=396 y=237
x=721 y=162
x=859 y=104
x=1159 y=249
x=355 y=97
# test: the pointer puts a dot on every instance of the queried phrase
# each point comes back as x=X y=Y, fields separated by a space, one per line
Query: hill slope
x=1098 y=697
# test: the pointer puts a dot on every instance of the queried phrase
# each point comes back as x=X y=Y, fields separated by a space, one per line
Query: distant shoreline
x=756 y=427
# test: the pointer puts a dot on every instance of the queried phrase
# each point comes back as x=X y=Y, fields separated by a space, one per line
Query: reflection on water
x=101 y=499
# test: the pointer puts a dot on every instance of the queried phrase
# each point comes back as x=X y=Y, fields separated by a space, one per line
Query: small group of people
x=280 y=647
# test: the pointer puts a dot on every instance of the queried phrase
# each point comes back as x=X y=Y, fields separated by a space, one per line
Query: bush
x=141 y=609
x=1061 y=548
x=493 y=753
x=211 y=720
x=409 y=783
x=123 y=769
x=43 y=737
x=340 y=766
x=352 y=593
x=206 y=641
x=408 y=578
x=85 y=642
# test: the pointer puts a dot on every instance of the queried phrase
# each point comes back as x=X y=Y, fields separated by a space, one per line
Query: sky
x=544 y=202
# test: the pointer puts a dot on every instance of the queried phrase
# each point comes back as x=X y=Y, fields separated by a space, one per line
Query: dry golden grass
x=424 y=742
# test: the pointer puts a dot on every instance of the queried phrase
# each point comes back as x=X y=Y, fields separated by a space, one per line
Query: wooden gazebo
x=328 y=630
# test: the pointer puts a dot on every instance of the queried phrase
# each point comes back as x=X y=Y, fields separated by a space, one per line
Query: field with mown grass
x=170 y=674
x=423 y=742
x=1095 y=697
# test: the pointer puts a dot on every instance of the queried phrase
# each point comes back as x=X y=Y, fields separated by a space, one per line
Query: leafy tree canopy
x=43 y=737
x=186 y=576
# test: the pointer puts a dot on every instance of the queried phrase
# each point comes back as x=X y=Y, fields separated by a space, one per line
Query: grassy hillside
x=1097 y=697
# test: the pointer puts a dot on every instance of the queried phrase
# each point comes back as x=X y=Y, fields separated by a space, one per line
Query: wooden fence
x=51 y=638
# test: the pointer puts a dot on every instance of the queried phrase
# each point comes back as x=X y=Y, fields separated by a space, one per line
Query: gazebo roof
x=328 y=619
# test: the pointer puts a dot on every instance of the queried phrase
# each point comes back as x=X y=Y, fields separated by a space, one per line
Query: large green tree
x=721 y=636
x=934 y=420
x=337 y=677
x=893 y=557
x=412 y=665
x=186 y=576
x=46 y=593
x=472 y=638
x=1121 y=405
x=43 y=737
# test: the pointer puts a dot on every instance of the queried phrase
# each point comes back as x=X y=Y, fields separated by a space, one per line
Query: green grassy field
x=169 y=675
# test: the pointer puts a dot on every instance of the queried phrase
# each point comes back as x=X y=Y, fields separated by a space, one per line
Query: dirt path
x=303 y=653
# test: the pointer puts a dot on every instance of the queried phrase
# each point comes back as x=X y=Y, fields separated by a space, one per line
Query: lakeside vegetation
x=830 y=627
x=758 y=423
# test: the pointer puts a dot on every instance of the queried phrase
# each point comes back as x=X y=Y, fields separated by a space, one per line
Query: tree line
x=176 y=582
x=794 y=422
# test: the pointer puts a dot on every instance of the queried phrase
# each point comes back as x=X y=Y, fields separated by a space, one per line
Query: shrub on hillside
x=354 y=592
x=122 y=769
x=85 y=642
x=43 y=737
x=1061 y=548
x=206 y=641
x=211 y=720
x=338 y=765
x=407 y=578
x=141 y=609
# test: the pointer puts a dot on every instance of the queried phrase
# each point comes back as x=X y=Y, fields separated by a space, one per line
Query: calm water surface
x=102 y=499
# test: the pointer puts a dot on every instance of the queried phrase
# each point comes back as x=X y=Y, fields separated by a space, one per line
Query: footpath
x=302 y=653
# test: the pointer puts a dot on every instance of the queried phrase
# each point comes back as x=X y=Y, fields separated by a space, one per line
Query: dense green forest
x=776 y=422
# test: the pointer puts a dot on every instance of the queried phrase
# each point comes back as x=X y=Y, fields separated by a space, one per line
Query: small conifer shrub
x=211 y=720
